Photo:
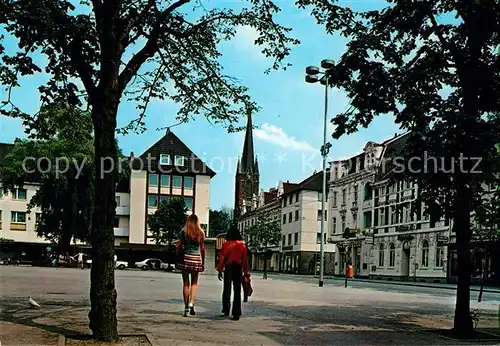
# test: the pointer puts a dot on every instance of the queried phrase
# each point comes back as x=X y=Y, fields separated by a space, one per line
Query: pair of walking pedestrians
x=233 y=262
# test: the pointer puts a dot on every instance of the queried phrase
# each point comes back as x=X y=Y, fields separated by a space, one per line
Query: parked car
x=118 y=265
x=151 y=263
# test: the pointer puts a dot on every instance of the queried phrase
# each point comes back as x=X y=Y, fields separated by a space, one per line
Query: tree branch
x=151 y=46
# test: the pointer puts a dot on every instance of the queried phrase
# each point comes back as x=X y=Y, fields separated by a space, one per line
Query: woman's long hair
x=192 y=228
x=233 y=233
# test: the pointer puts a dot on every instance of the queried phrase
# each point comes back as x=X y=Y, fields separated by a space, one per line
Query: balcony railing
x=123 y=210
x=121 y=231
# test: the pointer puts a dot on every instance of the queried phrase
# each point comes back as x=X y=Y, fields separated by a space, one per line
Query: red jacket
x=233 y=252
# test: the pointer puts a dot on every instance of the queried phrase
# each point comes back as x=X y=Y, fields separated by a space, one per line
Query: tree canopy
x=264 y=233
x=435 y=66
x=220 y=221
x=167 y=222
x=98 y=52
x=59 y=157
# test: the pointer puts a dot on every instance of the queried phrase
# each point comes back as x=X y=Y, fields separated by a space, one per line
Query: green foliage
x=153 y=48
x=264 y=233
x=167 y=222
x=59 y=158
x=439 y=80
x=220 y=221
x=487 y=218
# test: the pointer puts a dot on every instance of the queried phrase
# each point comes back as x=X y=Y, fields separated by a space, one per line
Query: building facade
x=166 y=170
x=380 y=231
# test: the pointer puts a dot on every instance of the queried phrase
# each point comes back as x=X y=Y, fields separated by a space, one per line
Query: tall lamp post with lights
x=313 y=74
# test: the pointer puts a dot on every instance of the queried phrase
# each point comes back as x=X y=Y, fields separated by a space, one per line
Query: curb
x=61 y=340
x=485 y=290
x=385 y=282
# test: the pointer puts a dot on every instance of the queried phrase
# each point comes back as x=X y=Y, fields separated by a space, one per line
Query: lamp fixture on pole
x=312 y=76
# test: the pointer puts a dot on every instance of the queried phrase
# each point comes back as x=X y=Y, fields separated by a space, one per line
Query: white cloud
x=244 y=41
x=276 y=135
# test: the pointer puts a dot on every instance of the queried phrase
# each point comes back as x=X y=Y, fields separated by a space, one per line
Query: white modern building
x=166 y=170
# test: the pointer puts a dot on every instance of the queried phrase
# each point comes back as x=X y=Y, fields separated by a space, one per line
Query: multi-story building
x=300 y=227
x=165 y=170
x=381 y=233
x=351 y=205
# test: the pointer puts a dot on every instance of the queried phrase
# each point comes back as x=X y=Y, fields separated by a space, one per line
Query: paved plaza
x=281 y=311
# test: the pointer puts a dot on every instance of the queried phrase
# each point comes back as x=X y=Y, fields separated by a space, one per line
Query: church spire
x=247 y=158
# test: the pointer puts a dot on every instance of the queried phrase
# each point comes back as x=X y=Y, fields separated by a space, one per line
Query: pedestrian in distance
x=233 y=261
x=190 y=259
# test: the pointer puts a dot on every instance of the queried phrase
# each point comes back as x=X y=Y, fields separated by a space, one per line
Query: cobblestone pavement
x=280 y=311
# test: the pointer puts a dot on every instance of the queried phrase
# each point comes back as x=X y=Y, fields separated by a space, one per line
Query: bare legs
x=189 y=291
x=194 y=287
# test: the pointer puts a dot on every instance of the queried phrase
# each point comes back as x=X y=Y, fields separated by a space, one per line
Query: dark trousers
x=232 y=276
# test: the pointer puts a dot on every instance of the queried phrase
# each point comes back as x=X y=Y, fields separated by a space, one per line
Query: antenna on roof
x=167 y=128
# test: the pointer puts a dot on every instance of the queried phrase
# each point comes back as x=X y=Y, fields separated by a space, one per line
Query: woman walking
x=191 y=260
x=233 y=261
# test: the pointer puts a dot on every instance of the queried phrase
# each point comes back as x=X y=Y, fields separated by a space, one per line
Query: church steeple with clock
x=247 y=176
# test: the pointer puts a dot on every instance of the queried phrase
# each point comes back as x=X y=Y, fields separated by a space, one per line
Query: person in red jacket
x=233 y=261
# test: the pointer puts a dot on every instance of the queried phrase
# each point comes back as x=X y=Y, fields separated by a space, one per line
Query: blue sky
x=290 y=123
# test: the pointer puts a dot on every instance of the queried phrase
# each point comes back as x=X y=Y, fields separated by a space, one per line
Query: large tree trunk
x=463 y=322
x=102 y=315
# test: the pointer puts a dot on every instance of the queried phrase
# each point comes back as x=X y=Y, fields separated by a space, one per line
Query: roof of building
x=393 y=147
x=171 y=145
x=313 y=182
x=269 y=196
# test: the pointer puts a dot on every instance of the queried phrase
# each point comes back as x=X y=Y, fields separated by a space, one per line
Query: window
x=19 y=194
x=164 y=159
x=355 y=194
x=153 y=180
x=163 y=199
x=116 y=223
x=408 y=184
x=188 y=182
x=381 y=255
x=335 y=198
x=297 y=197
x=334 y=225
x=296 y=215
x=284 y=202
x=368 y=191
x=344 y=194
x=296 y=239
x=283 y=241
x=179 y=160
x=382 y=216
x=394 y=219
x=152 y=201
x=289 y=239
x=177 y=181
x=18 y=216
x=343 y=224
x=354 y=220
x=392 y=255
x=165 y=180
x=291 y=199
x=290 y=217
x=284 y=218
x=367 y=219
x=425 y=254
x=439 y=257
x=189 y=203
x=318 y=237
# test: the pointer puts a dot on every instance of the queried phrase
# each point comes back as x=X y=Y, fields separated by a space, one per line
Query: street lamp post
x=312 y=73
